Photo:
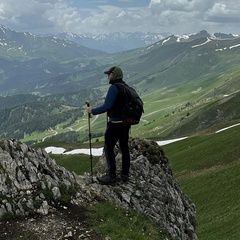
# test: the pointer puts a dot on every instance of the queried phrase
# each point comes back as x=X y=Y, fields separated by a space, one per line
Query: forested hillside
x=25 y=114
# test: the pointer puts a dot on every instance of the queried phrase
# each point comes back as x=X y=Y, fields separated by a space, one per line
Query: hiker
x=116 y=130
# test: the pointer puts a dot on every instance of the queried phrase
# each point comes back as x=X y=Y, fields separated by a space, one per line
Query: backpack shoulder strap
x=121 y=86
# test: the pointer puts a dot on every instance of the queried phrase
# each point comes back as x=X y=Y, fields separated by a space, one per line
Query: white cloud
x=154 y=3
x=224 y=15
x=176 y=16
x=25 y=14
x=223 y=10
x=64 y=18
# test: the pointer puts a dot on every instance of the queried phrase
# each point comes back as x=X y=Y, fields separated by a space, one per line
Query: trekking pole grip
x=88 y=105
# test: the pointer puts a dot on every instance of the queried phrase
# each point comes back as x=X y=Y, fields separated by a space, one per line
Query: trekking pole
x=90 y=142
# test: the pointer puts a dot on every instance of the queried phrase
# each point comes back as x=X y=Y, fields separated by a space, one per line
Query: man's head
x=116 y=73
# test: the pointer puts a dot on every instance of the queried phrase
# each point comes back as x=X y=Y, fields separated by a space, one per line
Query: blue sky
x=108 y=16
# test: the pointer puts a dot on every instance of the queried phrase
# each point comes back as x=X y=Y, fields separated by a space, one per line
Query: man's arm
x=108 y=103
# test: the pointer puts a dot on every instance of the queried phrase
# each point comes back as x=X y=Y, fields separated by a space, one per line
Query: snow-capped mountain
x=120 y=41
x=29 y=62
x=115 y=42
x=204 y=33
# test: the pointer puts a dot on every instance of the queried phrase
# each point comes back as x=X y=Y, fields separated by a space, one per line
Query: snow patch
x=165 y=142
x=99 y=151
x=223 y=129
x=199 y=45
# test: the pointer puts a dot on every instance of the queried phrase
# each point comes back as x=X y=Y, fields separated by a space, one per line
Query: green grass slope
x=191 y=107
x=168 y=63
x=208 y=169
x=221 y=111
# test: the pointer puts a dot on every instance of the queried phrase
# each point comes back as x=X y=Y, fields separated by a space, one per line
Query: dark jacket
x=114 y=102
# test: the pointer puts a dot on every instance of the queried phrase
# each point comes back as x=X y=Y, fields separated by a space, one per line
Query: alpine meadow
x=190 y=87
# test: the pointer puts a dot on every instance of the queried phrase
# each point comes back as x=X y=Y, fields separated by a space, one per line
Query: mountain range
x=116 y=42
x=121 y=41
x=180 y=78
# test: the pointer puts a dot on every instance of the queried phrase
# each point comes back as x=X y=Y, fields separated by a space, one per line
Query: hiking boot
x=124 y=178
x=107 y=180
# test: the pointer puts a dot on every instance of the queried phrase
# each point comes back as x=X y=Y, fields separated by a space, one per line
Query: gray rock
x=32 y=183
x=151 y=190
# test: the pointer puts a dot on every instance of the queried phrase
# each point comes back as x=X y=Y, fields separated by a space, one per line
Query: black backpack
x=133 y=107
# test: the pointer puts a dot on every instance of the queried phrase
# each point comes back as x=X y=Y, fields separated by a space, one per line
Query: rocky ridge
x=32 y=183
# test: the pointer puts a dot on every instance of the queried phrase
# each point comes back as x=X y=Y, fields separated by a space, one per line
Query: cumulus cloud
x=65 y=18
x=186 y=15
x=102 y=16
x=223 y=11
x=224 y=15
x=24 y=14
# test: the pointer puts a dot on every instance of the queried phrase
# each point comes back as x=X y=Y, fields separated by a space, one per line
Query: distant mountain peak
x=122 y=41
x=114 y=42
x=202 y=34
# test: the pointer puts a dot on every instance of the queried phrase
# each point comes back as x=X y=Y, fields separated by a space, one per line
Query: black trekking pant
x=117 y=132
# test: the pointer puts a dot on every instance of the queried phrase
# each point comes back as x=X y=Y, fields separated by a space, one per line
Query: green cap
x=117 y=72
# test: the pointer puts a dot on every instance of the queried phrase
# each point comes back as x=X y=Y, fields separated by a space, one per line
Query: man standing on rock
x=116 y=130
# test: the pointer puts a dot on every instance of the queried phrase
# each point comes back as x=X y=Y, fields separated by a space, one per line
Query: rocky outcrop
x=151 y=190
x=32 y=183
